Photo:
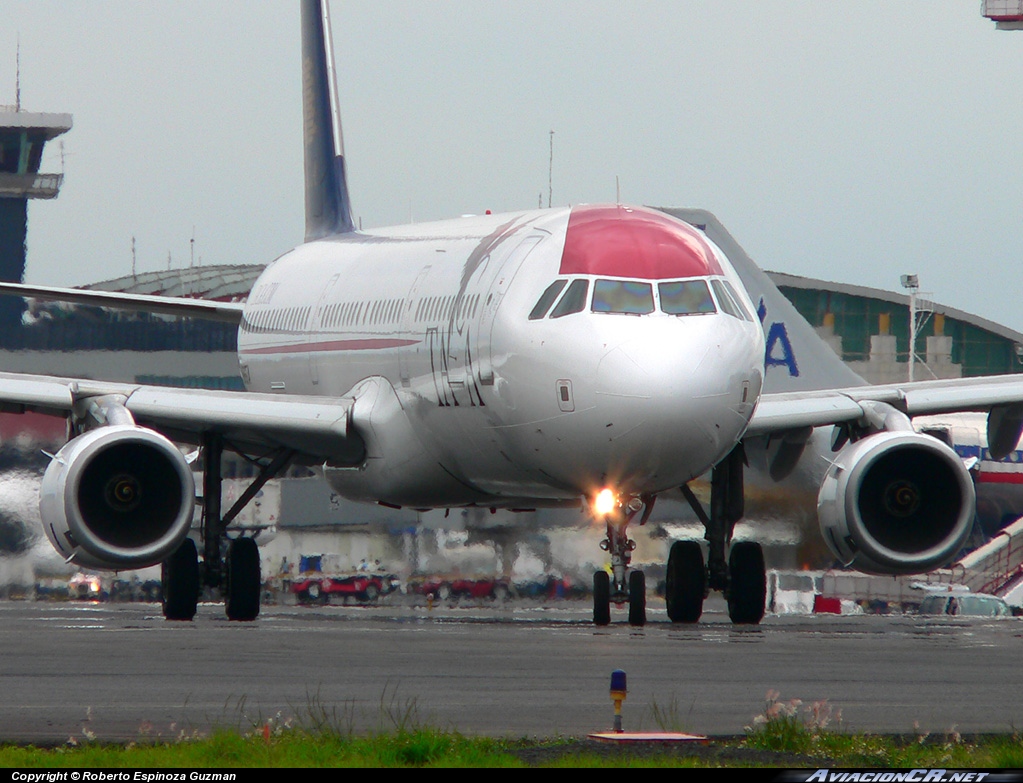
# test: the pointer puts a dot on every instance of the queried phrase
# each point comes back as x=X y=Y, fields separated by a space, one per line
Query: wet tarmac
x=118 y=671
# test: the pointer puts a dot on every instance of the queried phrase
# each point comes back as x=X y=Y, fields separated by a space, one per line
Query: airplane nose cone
x=648 y=369
x=674 y=363
x=674 y=402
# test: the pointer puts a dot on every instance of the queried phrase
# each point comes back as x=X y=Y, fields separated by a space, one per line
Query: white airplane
x=593 y=354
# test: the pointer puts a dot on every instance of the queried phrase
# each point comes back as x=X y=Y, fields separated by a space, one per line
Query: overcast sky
x=852 y=141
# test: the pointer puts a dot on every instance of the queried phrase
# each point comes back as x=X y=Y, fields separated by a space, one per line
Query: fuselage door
x=492 y=300
x=408 y=327
x=317 y=326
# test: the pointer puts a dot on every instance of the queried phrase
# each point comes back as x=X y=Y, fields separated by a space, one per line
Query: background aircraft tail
x=797 y=358
x=327 y=206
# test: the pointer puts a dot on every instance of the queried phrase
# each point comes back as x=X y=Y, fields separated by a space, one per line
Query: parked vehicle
x=965 y=605
x=318 y=588
x=443 y=588
x=86 y=587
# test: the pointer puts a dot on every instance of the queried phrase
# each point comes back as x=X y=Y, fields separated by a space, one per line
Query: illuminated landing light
x=605 y=502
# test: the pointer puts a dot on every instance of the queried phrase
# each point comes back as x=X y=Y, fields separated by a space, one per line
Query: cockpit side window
x=746 y=314
x=623 y=296
x=726 y=301
x=574 y=300
x=685 y=297
x=546 y=299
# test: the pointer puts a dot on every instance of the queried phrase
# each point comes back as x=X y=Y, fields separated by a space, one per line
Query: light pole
x=912 y=284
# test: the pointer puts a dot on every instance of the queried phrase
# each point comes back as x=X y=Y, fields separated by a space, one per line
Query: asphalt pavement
x=120 y=671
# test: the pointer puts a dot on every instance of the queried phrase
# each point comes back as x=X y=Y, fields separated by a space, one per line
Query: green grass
x=787 y=734
x=430 y=748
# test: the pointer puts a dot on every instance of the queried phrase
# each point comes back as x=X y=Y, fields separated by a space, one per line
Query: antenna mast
x=17 y=76
x=550 y=174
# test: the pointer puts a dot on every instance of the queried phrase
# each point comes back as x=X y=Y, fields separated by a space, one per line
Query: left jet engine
x=117 y=497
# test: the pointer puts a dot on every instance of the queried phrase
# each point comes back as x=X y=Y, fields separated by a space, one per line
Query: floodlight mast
x=912 y=284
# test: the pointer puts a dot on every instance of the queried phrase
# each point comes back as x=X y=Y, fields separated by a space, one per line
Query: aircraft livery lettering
x=453 y=372
x=778 y=352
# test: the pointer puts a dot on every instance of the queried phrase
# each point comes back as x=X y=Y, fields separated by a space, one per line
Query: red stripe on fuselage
x=633 y=242
x=986 y=477
x=368 y=344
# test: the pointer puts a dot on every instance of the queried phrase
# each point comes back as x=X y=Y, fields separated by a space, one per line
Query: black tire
x=180 y=577
x=601 y=598
x=637 y=598
x=371 y=593
x=685 y=584
x=747 y=587
x=243 y=582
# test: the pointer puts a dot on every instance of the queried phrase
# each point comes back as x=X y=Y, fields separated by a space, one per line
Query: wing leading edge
x=227 y=312
x=793 y=410
x=319 y=429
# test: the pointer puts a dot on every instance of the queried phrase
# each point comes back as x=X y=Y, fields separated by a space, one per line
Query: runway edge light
x=619 y=690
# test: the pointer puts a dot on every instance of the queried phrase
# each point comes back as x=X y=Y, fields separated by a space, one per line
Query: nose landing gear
x=615 y=587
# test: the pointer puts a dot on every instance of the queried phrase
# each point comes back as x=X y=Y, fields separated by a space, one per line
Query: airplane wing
x=318 y=428
x=228 y=312
x=794 y=410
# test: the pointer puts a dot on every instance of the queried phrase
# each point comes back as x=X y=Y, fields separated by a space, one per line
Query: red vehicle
x=443 y=589
x=318 y=588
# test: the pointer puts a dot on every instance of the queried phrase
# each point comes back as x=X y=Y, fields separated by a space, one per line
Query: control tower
x=22 y=137
x=1006 y=14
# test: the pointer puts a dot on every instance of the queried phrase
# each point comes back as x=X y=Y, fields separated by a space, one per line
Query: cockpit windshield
x=691 y=296
x=685 y=297
x=622 y=296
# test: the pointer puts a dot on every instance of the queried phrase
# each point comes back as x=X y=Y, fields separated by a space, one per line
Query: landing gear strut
x=742 y=577
x=614 y=587
x=230 y=565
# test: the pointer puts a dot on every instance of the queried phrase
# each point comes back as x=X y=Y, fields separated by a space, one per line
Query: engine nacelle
x=896 y=503
x=117 y=497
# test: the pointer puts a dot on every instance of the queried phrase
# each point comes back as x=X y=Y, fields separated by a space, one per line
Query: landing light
x=605 y=502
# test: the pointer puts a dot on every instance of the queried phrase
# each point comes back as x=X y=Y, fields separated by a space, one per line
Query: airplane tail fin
x=797 y=358
x=327 y=206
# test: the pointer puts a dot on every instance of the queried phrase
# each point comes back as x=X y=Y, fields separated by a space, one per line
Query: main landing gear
x=613 y=587
x=230 y=565
x=742 y=578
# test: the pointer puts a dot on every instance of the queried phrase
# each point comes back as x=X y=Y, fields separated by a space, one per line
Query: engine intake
x=117 y=497
x=896 y=503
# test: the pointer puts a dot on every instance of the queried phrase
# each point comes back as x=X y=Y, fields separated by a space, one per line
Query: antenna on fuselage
x=550 y=174
x=327 y=205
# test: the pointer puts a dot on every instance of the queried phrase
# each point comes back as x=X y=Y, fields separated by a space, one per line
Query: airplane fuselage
x=641 y=372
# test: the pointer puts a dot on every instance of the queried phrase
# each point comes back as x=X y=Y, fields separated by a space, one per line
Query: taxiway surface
x=115 y=671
